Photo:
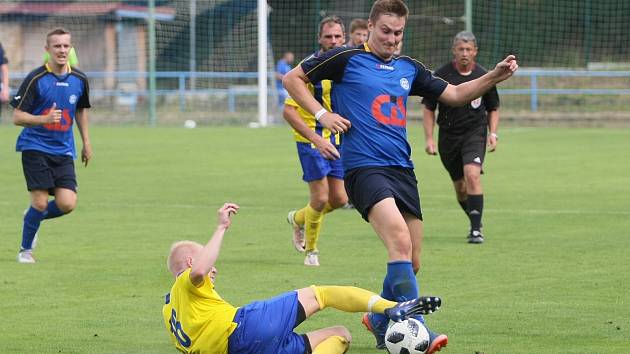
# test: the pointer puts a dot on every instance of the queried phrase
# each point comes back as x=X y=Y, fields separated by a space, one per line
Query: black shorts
x=457 y=150
x=43 y=171
x=367 y=186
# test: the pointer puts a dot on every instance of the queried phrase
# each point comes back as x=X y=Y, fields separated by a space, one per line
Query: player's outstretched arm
x=464 y=93
x=26 y=119
x=295 y=82
x=207 y=257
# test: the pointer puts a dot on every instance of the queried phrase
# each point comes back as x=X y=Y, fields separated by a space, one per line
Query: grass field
x=552 y=277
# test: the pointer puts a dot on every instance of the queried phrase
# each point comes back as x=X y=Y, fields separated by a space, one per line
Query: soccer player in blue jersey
x=370 y=91
x=200 y=321
x=318 y=150
x=50 y=99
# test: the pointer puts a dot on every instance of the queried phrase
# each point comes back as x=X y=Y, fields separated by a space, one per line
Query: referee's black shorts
x=457 y=150
x=367 y=186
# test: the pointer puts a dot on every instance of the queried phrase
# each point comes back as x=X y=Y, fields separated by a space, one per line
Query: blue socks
x=399 y=285
x=52 y=211
x=32 y=219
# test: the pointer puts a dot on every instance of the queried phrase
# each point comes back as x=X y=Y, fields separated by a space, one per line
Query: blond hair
x=178 y=254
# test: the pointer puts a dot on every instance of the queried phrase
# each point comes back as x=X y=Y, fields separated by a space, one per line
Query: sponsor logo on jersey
x=384 y=67
x=404 y=83
x=476 y=103
x=65 y=84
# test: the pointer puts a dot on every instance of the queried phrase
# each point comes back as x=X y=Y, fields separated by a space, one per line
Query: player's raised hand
x=334 y=122
x=505 y=68
x=430 y=147
x=53 y=116
x=225 y=214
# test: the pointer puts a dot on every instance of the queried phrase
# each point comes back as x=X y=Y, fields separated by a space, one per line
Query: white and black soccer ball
x=407 y=337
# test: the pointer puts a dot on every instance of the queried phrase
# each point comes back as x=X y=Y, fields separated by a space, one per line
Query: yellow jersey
x=197 y=318
x=321 y=92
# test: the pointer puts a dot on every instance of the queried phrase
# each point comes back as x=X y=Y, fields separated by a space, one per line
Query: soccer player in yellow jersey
x=200 y=321
x=318 y=151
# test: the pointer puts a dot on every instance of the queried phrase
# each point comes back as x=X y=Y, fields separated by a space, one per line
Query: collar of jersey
x=367 y=49
x=50 y=70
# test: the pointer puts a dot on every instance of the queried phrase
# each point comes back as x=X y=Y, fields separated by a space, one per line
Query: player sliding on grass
x=370 y=90
x=200 y=321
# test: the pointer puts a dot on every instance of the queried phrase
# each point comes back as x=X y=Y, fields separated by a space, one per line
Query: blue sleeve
x=425 y=84
x=27 y=95
x=84 y=100
x=328 y=66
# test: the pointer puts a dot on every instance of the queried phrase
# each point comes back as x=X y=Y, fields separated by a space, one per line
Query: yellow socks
x=332 y=345
x=312 y=225
x=300 y=214
x=327 y=209
x=350 y=299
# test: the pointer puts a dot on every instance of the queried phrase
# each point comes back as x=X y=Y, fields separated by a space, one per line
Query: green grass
x=551 y=278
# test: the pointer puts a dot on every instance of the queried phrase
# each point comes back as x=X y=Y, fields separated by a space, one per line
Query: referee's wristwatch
x=494 y=135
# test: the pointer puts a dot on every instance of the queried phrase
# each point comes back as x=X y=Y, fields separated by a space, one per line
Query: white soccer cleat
x=298 y=232
x=25 y=256
x=312 y=259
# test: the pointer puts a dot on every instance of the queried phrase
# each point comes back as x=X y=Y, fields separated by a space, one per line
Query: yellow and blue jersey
x=372 y=93
x=197 y=318
x=321 y=91
x=38 y=93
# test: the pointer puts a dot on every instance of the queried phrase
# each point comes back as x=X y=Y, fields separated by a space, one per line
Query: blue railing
x=234 y=91
x=534 y=91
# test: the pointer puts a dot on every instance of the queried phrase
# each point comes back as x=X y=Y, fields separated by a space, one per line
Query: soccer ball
x=190 y=124
x=407 y=337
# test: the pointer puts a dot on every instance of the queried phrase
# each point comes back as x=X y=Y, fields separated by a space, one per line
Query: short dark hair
x=331 y=19
x=384 y=7
x=56 y=31
x=358 y=23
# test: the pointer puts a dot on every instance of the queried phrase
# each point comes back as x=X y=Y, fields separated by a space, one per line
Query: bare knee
x=40 y=205
x=342 y=331
x=400 y=243
x=337 y=201
x=318 y=202
x=66 y=205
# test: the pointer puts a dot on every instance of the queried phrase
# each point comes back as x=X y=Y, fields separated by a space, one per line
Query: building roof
x=162 y=13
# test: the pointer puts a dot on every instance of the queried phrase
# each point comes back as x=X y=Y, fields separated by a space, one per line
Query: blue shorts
x=315 y=166
x=266 y=327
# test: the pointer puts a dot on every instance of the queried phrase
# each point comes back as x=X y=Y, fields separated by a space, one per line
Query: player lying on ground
x=200 y=321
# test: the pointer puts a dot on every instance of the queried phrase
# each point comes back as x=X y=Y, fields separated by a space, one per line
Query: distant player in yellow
x=318 y=151
x=200 y=321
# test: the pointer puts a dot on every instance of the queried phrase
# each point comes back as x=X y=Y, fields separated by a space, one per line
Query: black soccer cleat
x=421 y=306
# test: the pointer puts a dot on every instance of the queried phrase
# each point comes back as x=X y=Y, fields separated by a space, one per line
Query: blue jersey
x=372 y=94
x=37 y=94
